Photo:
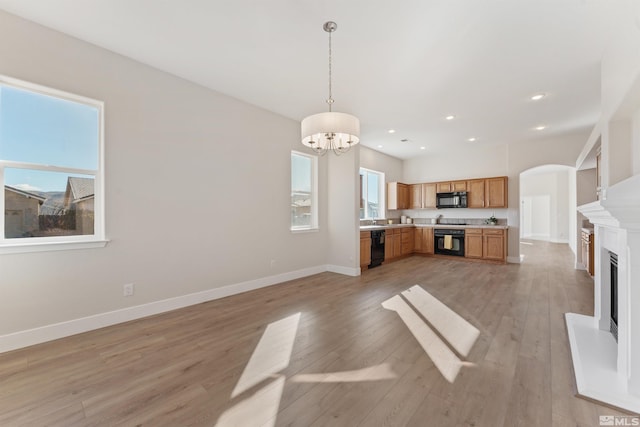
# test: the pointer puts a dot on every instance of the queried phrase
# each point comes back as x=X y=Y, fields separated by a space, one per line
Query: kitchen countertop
x=448 y=226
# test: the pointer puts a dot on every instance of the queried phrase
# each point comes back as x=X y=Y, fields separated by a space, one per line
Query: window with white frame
x=304 y=194
x=372 y=204
x=51 y=170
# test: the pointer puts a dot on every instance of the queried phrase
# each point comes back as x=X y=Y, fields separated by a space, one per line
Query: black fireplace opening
x=613 y=323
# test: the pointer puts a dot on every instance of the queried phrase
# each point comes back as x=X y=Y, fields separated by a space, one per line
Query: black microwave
x=456 y=199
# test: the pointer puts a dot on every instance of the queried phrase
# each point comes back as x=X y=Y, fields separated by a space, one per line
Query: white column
x=633 y=271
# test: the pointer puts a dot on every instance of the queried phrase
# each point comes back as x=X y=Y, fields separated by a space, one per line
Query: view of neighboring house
x=27 y=214
x=79 y=198
x=21 y=212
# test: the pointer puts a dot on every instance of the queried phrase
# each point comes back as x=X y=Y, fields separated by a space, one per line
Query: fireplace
x=613 y=321
x=605 y=347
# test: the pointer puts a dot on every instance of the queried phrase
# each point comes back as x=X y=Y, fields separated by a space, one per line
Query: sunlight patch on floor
x=259 y=409
x=371 y=373
x=460 y=334
x=271 y=355
x=442 y=356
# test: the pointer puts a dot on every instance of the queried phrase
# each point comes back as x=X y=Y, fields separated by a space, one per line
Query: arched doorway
x=548 y=205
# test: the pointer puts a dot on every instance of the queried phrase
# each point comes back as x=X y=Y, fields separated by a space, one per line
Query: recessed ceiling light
x=392 y=131
x=423 y=148
x=379 y=146
x=472 y=139
x=540 y=127
x=538 y=96
x=450 y=117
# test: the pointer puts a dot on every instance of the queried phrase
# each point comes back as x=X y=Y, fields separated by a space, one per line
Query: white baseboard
x=347 y=271
x=55 y=331
x=515 y=259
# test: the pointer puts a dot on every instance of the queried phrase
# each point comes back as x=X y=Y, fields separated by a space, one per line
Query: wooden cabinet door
x=403 y=196
x=397 y=244
x=427 y=240
x=443 y=187
x=365 y=251
x=407 y=241
x=388 y=245
x=495 y=192
x=429 y=195
x=415 y=196
x=475 y=193
x=459 y=186
x=473 y=243
x=493 y=247
x=418 y=240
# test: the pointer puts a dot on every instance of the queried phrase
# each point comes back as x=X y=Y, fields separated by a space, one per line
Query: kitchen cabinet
x=422 y=196
x=587 y=250
x=495 y=192
x=429 y=196
x=443 y=187
x=473 y=243
x=423 y=240
x=494 y=244
x=365 y=248
x=487 y=193
x=408 y=240
x=415 y=196
x=397 y=242
x=447 y=187
x=475 y=193
x=388 y=245
x=397 y=196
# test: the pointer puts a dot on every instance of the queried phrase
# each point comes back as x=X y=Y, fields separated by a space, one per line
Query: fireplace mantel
x=607 y=370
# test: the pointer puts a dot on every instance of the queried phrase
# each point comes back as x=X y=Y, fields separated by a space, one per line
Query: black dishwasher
x=377 y=248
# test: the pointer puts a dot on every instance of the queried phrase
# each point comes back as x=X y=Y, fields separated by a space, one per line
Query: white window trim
x=314 y=227
x=381 y=193
x=55 y=243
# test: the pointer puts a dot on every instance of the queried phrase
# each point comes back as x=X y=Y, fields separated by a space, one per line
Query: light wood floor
x=180 y=368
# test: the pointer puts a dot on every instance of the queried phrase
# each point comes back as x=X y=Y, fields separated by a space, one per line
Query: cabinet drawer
x=397 y=231
x=473 y=231
x=490 y=232
x=365 y=234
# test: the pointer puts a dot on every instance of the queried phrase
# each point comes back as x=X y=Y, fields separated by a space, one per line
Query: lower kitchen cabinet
x=388 y=245
x=494 y=244
x=473 y=243
x=365 y=248
x=423 y=240
x=407 y=240
x=397 y=242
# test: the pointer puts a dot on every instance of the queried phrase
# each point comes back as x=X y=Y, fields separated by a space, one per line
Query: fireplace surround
x=608 y=370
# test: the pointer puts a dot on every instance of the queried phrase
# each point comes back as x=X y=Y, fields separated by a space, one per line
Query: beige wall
x=168 y=143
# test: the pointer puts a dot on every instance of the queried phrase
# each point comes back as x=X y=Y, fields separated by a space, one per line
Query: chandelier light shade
x=330 y=131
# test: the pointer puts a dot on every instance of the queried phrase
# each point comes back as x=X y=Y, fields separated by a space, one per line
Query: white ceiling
x=401 y=65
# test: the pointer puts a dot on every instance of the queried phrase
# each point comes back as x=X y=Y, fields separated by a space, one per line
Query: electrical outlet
x=128 y=289
x=273 y=263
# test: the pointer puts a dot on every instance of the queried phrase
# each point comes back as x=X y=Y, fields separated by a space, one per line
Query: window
x=50 y=167
x=371 y=194
x=304 y=206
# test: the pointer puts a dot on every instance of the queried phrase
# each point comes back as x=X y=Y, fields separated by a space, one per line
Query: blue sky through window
x=46 y=130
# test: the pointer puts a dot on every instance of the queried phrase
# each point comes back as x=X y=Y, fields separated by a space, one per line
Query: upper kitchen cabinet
x=487 y=193
x=415 y=196
x=429 y=196
x=422 y=196
x=397 y=196
x=447 y=187
x=495 y=192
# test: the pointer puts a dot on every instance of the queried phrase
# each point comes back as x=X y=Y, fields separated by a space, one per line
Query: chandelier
x=330 y=131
